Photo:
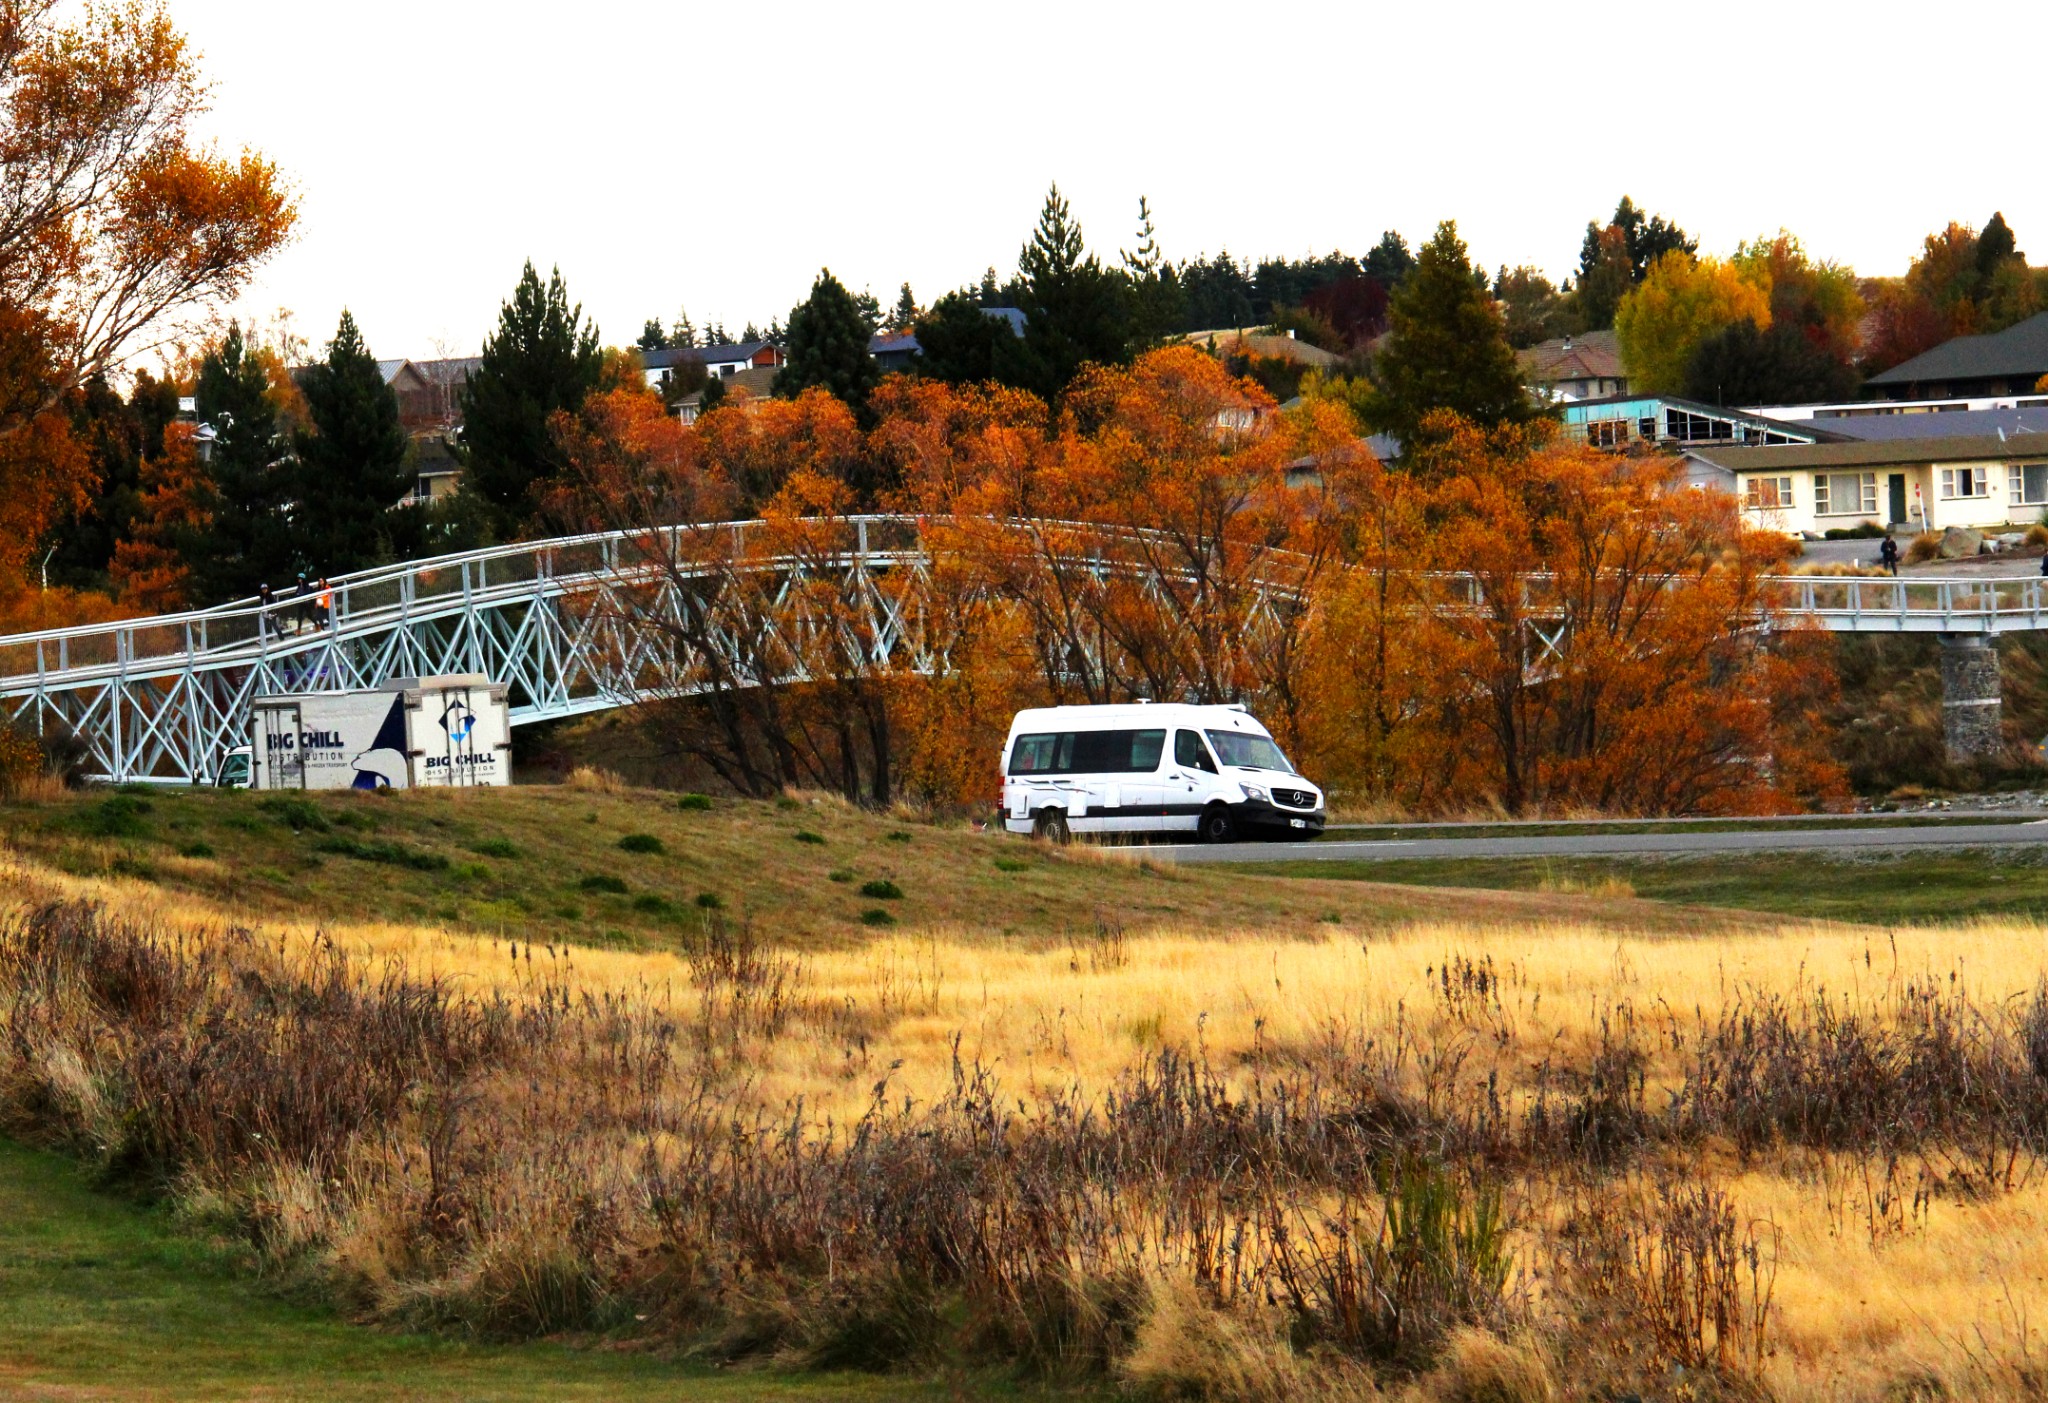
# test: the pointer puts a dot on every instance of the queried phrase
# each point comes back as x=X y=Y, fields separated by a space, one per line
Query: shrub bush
x=299 y=815
x=389 y=853
x=876 y=916
x=897 y=836
x=804 y=835
x=653 y=903
x=1012 y=864
x=495 y=847
x=117 y=817
x=603 y=882
x=841 y=875
x=697 y=803
x=882 y=889
x=641 y=843
x=1924 y=547
x=710 y=901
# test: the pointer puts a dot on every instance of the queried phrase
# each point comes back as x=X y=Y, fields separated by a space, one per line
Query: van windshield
x=1087 y=753
x=1249 y=752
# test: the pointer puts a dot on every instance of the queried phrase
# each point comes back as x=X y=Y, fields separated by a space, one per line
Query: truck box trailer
x=425 y=732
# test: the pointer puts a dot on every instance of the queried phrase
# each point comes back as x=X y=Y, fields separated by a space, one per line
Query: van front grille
x=1294 y=798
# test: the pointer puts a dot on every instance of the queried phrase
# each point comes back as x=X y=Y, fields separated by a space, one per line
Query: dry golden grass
x=1953 y=1286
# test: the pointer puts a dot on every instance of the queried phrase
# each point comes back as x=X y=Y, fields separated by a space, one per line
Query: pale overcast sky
x=715 y=155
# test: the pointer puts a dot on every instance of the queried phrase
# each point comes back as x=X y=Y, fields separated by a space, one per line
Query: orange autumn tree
x=117 y=226
x=1615 y=647
x=149 y=568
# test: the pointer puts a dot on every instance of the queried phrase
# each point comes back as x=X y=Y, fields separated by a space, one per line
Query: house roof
x=893 y=343
x=710 y=355
x=1594 y=355
x=2018 y=350
x=1880 y=454
x=1954 y=423
x=1632 y=406
x=450 y=370
x=1013 y=315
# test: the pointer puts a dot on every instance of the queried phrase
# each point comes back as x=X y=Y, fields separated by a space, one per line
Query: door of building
x=1898 y=496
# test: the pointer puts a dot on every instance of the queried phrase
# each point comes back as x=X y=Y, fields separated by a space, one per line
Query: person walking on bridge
x=302 y=604
x=324 y=604
x=265 y=602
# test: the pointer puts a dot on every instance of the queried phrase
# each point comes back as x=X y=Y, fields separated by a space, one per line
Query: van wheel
x=1217 y=826
x=1051 y=826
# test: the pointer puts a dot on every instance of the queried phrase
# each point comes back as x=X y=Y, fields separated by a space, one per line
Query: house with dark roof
x=893 y=350
x=1587 y=366
x=2008 y=362
x=722 y=361
x=1987 y=483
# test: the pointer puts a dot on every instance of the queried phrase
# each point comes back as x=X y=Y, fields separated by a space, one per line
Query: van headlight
x=1252 y=791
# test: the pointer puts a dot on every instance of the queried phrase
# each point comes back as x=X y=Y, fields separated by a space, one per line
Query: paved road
x=1983 y=835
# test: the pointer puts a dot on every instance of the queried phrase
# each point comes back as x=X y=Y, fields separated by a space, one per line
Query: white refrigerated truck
x=425 y=732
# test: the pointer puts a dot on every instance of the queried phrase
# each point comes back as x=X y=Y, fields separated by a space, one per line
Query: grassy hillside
x=634 y=870
x=1875 y=888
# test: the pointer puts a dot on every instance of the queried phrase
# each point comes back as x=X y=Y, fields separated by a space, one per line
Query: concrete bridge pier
x=1970 y=708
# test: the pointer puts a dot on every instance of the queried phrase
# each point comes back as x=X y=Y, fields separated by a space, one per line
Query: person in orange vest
x=325 y=603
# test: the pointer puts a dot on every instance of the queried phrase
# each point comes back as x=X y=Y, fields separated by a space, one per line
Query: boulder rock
x=1959 y=541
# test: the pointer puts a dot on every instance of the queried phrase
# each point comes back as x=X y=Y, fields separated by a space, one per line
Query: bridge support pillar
x=1970 y=705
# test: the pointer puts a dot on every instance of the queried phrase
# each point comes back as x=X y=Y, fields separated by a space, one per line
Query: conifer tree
x=904 y=315
x=991 y=290
x=959 y=342
x=828 y=346
x=684 y=337
x=1075 y=309
x=1447 y=349
x=542 y=358
x=1157 y=306
x=351 y=462
x=652 y=337
x=249 y=542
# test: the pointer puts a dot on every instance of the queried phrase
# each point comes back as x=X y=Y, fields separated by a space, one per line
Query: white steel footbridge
x=162 y=698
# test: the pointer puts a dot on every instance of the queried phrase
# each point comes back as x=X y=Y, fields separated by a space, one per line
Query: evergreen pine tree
x=684 y=337
x=1076 y=310
x=903 y=316
x=1447 y=349
x=828 y=346
x=870 y=311
x=652 y=338
x=958 y=342
x=750 y=335
x=1157 y=305
x=1995 y=245
x=351 y=461
x=541 y=358
x=1390 y=262
x=991 y=291
x=713 y=396
x=250 y=542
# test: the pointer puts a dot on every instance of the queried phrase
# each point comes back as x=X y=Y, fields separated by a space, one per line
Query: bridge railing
x=1838 y=602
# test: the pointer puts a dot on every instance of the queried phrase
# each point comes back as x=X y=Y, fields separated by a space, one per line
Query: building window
x=1965 y=482
x=1646 y=427
x=1607 y=433
x=423 y=490
x=1845 y=494
x=1768 y=493
x=2029 y=484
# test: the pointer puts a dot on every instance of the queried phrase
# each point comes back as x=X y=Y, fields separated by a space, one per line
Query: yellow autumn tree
x=1680 y=303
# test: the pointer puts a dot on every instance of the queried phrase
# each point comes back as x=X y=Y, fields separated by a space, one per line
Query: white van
x=1210 y=771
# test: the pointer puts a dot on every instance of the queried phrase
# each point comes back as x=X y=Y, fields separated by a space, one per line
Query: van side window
x=1032 y=755
x=1190 y=753
x=1088 y=753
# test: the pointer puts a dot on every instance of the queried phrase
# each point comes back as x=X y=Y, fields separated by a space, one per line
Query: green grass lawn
x=1878 y=888
x=101 y=1299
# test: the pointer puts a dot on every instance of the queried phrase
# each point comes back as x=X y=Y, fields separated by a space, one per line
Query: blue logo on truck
x=383 y=764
